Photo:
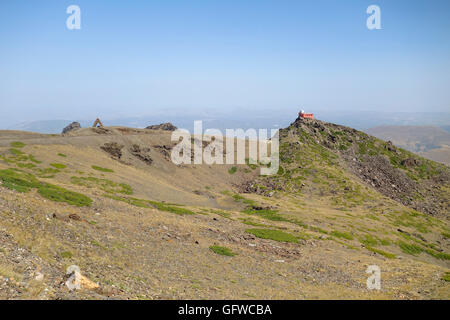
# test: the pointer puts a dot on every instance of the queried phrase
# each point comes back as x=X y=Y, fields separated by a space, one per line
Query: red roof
x=306 y=115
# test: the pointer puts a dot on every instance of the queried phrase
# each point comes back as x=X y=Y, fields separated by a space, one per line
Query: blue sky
x=132 y=58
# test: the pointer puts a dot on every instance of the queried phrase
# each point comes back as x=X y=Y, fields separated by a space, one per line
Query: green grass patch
x=59 y=194
x=343 y=235
x=17 y=144
x=280 y=171
x=133 y=201
x=224 y=251
x=17 y=180
x=239 y=198
x=66 y=254
x=173 y=208
x=221 y=213
x=26 y=165
x=58 y=165
x=102 y=169
x=383 y=253
x=45 y=172
x=369 y=240
x=266 y=214
x=62 y=155
x=16 y=152
x=345 y=244
x=252 y=166
x=437 y=255
x=33 y=159
x=411 y=249
x=232 y=170
x=446 y=277
x=271 y=234
x=251 y=222
x=317 y=229
x=170 y=208
x=430 y=249
x=103 y=184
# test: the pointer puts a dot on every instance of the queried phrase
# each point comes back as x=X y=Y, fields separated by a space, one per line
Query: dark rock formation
x=113 y=148
x=163 y=126
x=72 y=126
x=141 y=153
x=164 y=150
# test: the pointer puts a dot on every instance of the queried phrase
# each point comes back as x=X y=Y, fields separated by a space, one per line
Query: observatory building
x=304 y=115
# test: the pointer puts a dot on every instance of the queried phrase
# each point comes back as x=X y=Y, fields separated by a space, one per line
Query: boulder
x=73 y=126
x=410 y=162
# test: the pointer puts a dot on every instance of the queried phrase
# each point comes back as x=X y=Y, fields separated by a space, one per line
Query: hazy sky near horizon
x=133 y=58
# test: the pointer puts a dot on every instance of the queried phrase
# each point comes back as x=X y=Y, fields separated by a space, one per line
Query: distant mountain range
x=446 y=128
x=428 y=141
x=245 y=118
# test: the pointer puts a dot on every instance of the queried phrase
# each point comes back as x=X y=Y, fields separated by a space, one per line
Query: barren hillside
x=110 y=201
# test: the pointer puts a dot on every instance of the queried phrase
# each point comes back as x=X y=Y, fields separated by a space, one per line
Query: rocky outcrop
x=73 y=126
x=141 y=153
x=308 y=147
x=164 y=150
x=113 y=148
x=163 y=126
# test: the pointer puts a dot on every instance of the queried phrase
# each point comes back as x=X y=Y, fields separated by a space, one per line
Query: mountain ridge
x=110 y=201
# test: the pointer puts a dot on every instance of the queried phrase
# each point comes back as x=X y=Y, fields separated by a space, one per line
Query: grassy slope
x=141 y=249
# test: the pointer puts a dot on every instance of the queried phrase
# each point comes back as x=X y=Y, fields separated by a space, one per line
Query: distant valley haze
x=243 y=118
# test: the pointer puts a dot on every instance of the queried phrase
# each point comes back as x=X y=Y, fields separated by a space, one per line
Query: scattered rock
x=404 y=232
x=74 y=216
x=410 y=162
